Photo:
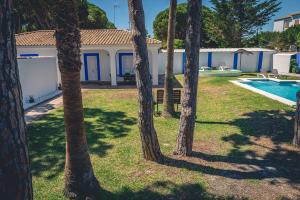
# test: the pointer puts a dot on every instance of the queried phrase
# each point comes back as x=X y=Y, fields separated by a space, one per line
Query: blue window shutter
x=260 y=61
x=298 y=60
x=209 y=59
x=235 y=60
x=183 y=62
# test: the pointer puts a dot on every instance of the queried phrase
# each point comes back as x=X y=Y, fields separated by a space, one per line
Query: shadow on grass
x=47 y=138
x=278 y=162
x=164 y=190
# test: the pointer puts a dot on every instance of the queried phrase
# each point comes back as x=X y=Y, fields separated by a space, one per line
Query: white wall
x=222 y=59
x=249 y=62
x=278 y=26
x=38 y=77
x=281 y=62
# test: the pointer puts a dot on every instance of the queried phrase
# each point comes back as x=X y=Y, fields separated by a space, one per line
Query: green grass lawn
x=242 y=148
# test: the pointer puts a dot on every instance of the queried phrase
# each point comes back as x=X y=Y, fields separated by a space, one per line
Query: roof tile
x=88 y=37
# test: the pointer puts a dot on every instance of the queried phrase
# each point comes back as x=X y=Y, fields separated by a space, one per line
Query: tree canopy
x=38 y=14
x=277 y=40
x=210 y=33
x=241 y=19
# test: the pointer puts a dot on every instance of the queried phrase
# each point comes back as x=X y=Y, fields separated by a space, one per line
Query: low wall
x=245 y=63
x=38 y=77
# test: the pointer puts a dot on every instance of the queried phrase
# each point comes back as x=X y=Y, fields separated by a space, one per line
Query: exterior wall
x=177 y=69
x=104 y=64
x=203 y=61
x=249 y=62
x=281 y=62
x=38 y=77
x=222 y=59
x=278 y=26
x=104 y=55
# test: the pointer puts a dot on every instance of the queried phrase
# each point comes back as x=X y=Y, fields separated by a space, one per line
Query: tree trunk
x=168 y=94
x=189 y=100
x=150 y=145
x=80 y=182
x=15 y=176
x=296 y=140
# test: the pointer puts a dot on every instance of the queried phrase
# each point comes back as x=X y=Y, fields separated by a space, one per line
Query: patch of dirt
x=269 y=172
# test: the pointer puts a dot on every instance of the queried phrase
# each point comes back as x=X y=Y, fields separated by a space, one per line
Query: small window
x=296 y=21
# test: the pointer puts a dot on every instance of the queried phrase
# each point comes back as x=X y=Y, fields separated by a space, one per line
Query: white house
x=258 y=59
x=107 y=54
x=283 y=23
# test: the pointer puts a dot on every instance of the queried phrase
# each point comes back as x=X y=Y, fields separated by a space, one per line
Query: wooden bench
x=160 y=98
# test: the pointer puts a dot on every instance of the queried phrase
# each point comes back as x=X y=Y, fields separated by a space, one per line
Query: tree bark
x=189 y=101
x=168 y=94
x=80 y=182
x=150 y=145
x=15 y=176
x=296 y=140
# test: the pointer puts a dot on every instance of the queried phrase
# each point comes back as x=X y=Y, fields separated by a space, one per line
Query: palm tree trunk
x=188 y=112
x=80 y=181
x=296 y=140
x=15 y=176
x=168 y=94
x=150 y=145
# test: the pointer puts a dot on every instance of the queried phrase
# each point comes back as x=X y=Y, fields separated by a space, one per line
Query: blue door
x=91 y=66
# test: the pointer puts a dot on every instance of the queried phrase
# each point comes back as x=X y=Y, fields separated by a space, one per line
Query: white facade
x=39 y=80
x=284 y=23
x=223 y=57
x=282 y=61
x=101 y=63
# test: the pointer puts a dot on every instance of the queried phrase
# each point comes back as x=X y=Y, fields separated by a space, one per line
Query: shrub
x=294 y=66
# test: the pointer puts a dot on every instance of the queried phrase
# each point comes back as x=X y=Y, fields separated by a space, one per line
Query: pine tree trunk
x=168 y=94
x=296 y=140
x=150 y=145
x=80 y=181
x=15 y=176
x=189 y=101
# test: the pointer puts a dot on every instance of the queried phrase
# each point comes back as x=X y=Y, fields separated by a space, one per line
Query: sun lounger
x=263 y=75
x=224 y=68
x=274 y=74
x=203 y=68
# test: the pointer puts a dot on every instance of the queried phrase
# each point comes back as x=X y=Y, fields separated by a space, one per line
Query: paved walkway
x=41 y=109
x=291 y=74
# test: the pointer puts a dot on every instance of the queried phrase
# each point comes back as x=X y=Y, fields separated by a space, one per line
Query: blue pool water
x=286 y=90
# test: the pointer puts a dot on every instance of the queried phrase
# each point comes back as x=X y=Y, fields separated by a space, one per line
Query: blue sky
x=153 y=7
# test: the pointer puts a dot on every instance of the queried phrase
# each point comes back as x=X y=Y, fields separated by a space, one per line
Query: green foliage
x=276 y=40
x=96 y=19
x=294 y=66
x=210 y=34
x=267 y=39
x=241 y=19
x=291 y=36
x=178 y=44
x=37 y=15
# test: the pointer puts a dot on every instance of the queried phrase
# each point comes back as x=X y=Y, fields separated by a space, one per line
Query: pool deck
x=267 y=94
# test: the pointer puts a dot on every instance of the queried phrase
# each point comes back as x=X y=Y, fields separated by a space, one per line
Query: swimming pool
x=283 y=91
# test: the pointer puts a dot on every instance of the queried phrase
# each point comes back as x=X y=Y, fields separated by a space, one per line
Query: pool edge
x=266 y=94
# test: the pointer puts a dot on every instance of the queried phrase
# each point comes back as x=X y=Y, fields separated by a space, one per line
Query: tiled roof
x=88 y=37
x=288 y=16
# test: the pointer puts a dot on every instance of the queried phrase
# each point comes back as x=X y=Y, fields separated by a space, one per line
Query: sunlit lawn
x=241 y=142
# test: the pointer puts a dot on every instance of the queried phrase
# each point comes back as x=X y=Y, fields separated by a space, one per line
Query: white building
x=283 y=23
x=107 y=54
x=256 y=60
